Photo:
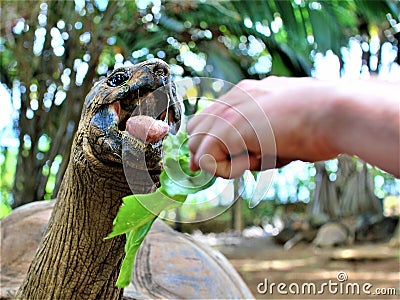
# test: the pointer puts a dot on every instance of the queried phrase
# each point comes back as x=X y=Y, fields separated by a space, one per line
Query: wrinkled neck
x=94 y=197
x=73 y=259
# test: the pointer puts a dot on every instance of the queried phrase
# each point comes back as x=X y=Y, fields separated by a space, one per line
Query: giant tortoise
x=73 y=260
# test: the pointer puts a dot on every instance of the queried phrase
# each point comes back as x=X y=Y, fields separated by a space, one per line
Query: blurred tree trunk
x=37 y=75
x=351 y=193
x=325 y=200
x=357 y=196
x=237 y=222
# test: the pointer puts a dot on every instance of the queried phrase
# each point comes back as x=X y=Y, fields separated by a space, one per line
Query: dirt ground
x=262 y=263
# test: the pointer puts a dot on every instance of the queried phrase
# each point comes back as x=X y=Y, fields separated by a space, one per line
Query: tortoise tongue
x=147 y=128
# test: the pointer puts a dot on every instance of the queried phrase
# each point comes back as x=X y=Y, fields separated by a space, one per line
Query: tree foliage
x=53 y=51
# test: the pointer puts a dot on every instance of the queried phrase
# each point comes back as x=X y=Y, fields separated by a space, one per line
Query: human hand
x=260 y=124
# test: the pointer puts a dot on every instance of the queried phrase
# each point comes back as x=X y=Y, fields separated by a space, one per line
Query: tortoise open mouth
x=138 y=107
x=158 y=105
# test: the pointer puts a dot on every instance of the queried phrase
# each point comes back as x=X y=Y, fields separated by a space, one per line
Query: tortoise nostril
x=160 y=70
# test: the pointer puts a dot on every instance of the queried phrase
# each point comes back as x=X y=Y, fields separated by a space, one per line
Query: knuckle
x=245 y=84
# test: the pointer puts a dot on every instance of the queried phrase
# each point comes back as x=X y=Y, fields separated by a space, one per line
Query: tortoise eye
x=117 y=79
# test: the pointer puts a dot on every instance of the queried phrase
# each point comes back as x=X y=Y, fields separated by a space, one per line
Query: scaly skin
x=73 y=260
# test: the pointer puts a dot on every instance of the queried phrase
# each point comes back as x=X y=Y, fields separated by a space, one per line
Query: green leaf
x=220 y=58
x=133 y=241
x=293 y=28
x=138 y=212
x=255 y=175
x=320 y=20
x=176 y=145
x=177 y=179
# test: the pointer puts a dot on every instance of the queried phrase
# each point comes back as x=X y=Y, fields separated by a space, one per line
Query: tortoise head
x=142 y=89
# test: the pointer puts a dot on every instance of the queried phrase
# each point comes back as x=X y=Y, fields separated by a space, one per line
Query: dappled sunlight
x=251 y=265
x=302 y=264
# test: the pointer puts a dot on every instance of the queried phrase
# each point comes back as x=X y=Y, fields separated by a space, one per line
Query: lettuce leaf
x=138 y=212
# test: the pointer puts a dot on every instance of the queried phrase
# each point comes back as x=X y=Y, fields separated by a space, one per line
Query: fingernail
x=208 y=163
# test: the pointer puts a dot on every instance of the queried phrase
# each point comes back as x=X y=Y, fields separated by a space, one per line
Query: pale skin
x=309 y=120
